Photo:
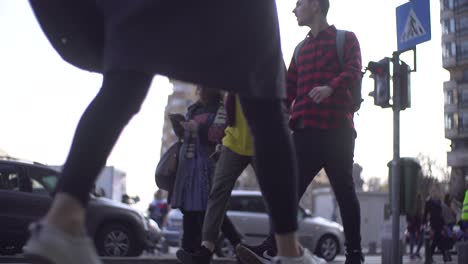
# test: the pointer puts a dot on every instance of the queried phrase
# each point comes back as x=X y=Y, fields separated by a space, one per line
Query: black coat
x=228 y=44
x=433 y=209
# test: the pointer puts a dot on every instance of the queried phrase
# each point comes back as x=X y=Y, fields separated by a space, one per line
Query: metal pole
x=396 y=258
x=427 y=245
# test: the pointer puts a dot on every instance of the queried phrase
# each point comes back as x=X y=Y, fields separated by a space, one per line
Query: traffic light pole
x=401 y=100
x=395 y=193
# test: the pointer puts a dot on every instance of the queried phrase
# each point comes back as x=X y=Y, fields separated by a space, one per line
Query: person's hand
x=320 y=93
x=190 y=125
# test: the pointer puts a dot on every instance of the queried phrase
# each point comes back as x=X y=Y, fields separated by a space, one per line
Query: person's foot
x=201 y=256
x=417 y=255
x=306 y=258
x=354 y=257
x=261 y=254
x=48 y=244
x=412 y=256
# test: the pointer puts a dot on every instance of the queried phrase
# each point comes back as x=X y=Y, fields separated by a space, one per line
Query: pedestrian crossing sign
x=413 y=24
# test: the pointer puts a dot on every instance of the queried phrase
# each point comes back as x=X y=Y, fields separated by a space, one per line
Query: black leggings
x=275 y=159
x=120 y=98
x=193 y=223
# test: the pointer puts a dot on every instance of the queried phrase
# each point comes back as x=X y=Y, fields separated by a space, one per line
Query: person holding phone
x=203 y=127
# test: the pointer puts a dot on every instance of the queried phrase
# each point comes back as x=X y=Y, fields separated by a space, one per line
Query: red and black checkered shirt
x=318 y=65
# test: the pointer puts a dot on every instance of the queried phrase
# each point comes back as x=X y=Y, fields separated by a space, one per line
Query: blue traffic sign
x=413 y=21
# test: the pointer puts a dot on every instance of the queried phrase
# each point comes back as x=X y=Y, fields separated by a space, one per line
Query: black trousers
x=438 y=241
x=193 y=224
x=332 y=150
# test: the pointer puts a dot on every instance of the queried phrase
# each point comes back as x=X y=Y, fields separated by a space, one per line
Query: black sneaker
x=201 y=256
x=261 y=254
x=354 y=257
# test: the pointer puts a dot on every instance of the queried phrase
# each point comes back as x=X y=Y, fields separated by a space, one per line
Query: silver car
x=248 y=213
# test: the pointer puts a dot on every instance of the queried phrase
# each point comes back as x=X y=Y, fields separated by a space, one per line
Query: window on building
x=450 y=121
x=448 y=26
x=462 y=25
x=449 y=50
x=464 y=98
x=464 y=49
x=449 y=97
x=447 y=4
x=461 y=4
x=464 y=122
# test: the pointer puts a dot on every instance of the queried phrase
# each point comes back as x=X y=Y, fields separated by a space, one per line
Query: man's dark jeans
x=332 y=150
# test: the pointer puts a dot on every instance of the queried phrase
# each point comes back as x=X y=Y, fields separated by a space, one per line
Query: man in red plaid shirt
x=321 y=107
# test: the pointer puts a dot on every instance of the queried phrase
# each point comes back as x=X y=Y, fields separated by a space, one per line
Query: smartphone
x=176 y=126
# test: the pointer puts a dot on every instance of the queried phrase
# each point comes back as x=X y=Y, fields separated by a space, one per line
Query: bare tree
x=374 y=184
x=432 y=168
x=358 y=181
x=433 y=173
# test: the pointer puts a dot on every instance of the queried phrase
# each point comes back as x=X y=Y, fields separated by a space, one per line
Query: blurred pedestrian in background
x=159 y=208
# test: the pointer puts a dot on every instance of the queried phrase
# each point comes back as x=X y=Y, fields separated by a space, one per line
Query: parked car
x=248 y=213
x=25 y=194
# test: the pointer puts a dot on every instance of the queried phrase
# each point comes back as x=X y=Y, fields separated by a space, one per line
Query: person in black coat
x=414 y=228
x=433 y=215
x=228 y=45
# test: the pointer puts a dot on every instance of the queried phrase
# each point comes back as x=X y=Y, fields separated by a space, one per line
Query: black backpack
x=356 y=87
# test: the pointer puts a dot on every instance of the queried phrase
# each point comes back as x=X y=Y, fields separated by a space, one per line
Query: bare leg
x=67 y=214
x=287 y=245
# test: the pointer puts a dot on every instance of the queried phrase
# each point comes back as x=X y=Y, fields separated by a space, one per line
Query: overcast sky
x=42 y=97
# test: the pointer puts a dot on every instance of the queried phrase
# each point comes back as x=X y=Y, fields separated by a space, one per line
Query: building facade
x=454 y=21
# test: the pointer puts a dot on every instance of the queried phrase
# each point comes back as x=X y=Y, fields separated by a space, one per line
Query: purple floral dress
x=195 y=169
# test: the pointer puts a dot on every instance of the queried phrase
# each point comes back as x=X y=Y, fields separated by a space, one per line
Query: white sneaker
x=49 y=245
x=306 y=258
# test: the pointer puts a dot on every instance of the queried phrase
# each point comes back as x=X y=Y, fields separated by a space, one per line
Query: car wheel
x=117 y=240
x=327 y=247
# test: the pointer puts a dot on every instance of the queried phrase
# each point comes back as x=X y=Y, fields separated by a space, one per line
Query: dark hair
x=325 y=5
x=209 y=96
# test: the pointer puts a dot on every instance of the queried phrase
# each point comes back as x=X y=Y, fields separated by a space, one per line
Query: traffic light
x=380 y=72
x=405 y=72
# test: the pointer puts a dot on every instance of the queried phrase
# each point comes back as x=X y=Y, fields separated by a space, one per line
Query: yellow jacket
x=465 y=208
x=237 y=137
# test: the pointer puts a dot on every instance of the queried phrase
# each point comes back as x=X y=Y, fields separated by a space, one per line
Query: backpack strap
x=297 y=49
x=340 y=43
